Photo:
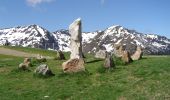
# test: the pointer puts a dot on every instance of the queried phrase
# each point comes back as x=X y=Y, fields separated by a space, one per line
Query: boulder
x=73 y=65
x=138 y=54
x=126 y=57
x=60 y=55
x=43 y=70
x=118 y=50
x=101 y=54
x=109 y=63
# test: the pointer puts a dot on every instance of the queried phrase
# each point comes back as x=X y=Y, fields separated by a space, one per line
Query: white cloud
x=36 y=2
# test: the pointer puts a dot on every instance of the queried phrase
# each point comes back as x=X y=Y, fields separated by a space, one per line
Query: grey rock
x=109 y=63
x=76 y=39
x=101 y=54
x=43 y=70
x=60 y=55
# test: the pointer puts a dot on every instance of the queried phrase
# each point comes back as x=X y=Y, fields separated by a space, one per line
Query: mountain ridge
x=39 y=37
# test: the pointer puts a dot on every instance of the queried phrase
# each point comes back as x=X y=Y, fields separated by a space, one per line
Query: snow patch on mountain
x=38 y=37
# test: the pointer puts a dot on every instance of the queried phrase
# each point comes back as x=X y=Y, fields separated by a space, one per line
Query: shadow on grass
x=93 y=61
x=101 y=69
x=77 y=74
x=17 y=70
x=43 y=76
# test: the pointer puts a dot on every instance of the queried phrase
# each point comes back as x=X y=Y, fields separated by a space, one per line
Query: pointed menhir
x=76 y=39
x=76 y=62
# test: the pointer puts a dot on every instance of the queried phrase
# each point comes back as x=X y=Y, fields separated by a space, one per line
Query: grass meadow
x=146 y=79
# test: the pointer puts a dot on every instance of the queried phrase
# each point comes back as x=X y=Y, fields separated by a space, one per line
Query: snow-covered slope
x=93 y=41
x=36 y=36
x=32 y=35
x=152 y=44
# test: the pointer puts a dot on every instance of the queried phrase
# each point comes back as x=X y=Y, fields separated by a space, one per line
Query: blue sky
x=148 y=16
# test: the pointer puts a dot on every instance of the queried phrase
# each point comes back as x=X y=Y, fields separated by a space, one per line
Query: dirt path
x=6 y=51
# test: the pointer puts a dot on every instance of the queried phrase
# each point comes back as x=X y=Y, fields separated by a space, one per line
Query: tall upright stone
x=76 y=39
x=76 y=62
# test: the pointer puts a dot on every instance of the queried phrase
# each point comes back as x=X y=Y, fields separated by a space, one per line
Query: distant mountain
x=28 y=36
x=38 y=37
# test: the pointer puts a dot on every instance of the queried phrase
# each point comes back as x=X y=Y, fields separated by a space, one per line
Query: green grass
x=33 y=50
x=147 y=79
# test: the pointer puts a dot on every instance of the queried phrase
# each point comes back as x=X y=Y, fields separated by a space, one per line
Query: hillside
x=38 y=37
x=147 y=79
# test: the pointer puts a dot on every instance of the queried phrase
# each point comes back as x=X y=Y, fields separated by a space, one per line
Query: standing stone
x=138 y=54
x=43 y=70
x=109 y=63
x=60 y=55
x=76 y=39
x=126 y=57
x=76 y=62
x=101 y=54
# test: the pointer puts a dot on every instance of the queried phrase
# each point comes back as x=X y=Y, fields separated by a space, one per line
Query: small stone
x=101 y=54
x=26 y=60
x=126 y=57
x=73 y=65
x=26 y=64
x=40 y=58
x=23 y=66
x=109 y=63
x=43 y=70
x=118 y=50
x=138 y=54
x=60 y=55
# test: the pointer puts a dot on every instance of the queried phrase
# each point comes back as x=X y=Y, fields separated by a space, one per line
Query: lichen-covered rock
x=73 y=65
x=109 y=63
x=43 y=70
x=138 y=54
x=101 y=54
